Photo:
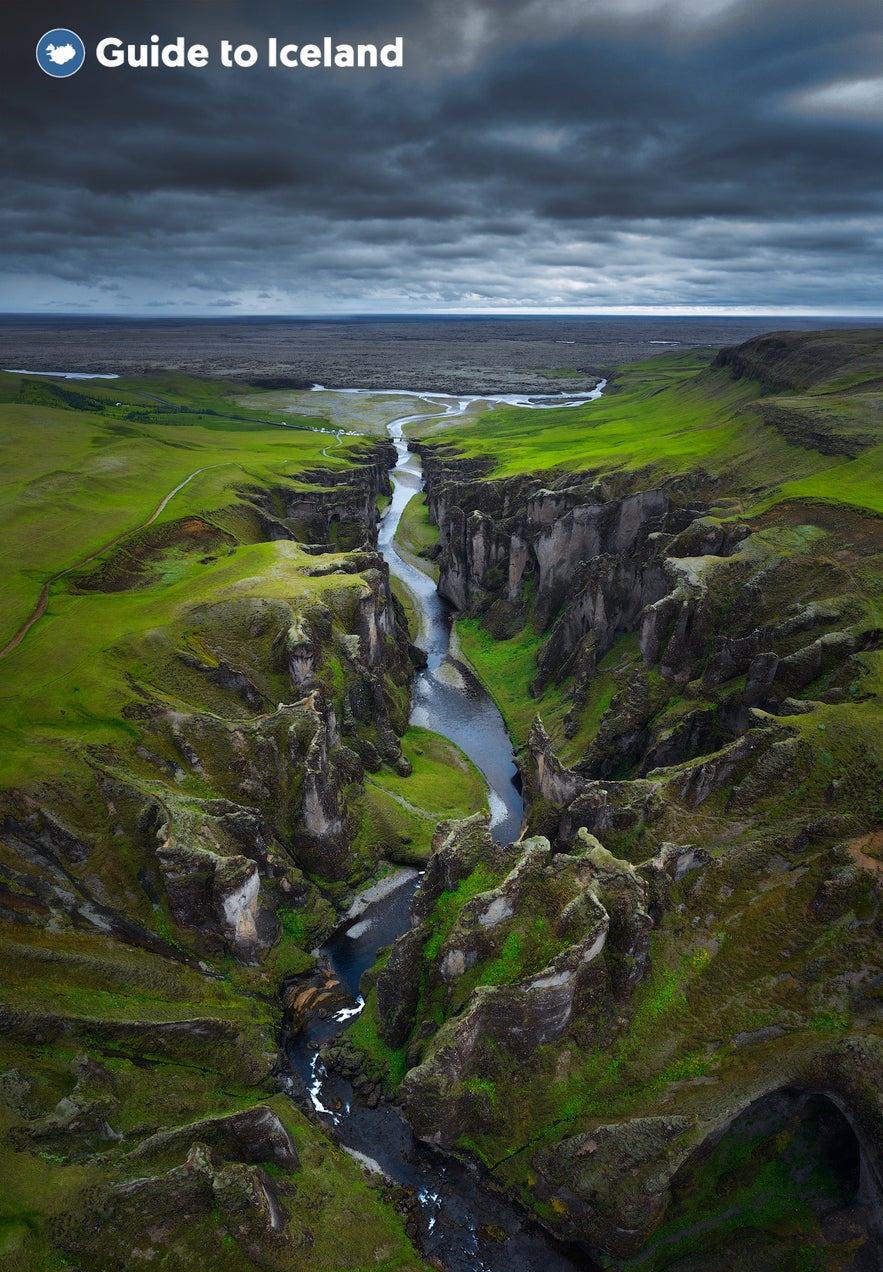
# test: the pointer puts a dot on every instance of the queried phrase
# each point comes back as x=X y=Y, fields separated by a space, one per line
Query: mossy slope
x=689 y=656
x=186 y=731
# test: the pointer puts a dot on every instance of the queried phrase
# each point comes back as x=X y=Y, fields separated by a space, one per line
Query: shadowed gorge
x=680 y=618
x=651 y=1014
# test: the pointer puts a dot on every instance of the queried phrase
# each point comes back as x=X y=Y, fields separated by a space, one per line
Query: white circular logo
x=60 y=53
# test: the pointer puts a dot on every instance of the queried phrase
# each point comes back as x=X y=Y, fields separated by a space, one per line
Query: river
x=464 y=1223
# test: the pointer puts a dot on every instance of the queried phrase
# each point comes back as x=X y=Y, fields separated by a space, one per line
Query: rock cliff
x=156 y=893
x=666 y=988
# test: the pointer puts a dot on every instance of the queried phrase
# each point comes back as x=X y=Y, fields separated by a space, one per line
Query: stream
x=464 y=1223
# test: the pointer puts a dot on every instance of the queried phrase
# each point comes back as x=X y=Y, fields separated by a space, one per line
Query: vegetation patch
x=417 y=536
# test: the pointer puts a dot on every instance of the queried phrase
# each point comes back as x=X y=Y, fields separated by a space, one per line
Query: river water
x=464 y=1223
x=447 y=697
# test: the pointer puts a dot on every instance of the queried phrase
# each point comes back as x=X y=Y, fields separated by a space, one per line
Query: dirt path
x=338 y=441
x=40 y=608
x=863 y=846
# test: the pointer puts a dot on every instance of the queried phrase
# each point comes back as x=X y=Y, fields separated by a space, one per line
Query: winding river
x=463 y=1222
x=447 y=697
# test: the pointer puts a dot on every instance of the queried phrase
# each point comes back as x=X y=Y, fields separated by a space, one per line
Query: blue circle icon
x=60 y=53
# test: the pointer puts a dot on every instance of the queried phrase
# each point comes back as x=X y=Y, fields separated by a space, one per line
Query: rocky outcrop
x=80 y=1120
x=668 y=867
x=254 y=1135
x=719 y=614
x=614 y=1184
x=272 y=705
x=713 y=957
x=513 y=1031
x=210 y=892
x=709 y=639
x=604 y=599
x=299 y=763
x=617 y=1178
x=539 y=946
x=591 y=564
x=590 y=559
x=243 y=1199
x=798 y=360
x=334 y=509
x=47 y=871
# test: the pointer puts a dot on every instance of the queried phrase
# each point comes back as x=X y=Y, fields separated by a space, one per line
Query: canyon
x=655 y=998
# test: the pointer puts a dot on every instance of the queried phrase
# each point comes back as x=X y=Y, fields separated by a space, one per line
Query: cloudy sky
x=545 y=155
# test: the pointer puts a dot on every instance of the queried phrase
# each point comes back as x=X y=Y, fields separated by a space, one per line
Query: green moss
x=352 y=1226
x=408 y=603
x=389 y=830
x=508 y=669
x=672 y=416
x=416 y=535
x=38 y=1187
x=443 y=781
x=777 y=1183
x=365 y=1037
x=451 y=903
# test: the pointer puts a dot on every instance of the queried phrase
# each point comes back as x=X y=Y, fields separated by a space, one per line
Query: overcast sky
x=573 y=155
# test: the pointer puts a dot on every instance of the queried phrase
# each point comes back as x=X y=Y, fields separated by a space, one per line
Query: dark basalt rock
x=255 y=1135
x=595 y=908
x=83 y=1118
x=617 y=1178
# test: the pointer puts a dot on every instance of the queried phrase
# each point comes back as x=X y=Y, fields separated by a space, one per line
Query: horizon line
x=344 y=315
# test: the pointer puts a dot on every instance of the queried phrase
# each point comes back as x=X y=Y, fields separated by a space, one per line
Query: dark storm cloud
x=559 y=153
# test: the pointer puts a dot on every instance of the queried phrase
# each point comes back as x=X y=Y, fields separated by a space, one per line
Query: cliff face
x=668 y=987
x=281 y=775
x=497 y=538
x=731 y=630
x=327 y=509
x=156 y=892
x=577 y=996
x=665 y=987
x=800 y=360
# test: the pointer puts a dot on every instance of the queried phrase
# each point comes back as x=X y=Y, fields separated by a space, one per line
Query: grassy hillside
x=730 y=721
x=682 y=415
x=416 y=536
x=79 y=470
x=154 y=531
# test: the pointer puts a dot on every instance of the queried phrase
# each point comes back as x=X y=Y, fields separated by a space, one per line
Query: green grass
x=399 y=815
x=78 y=974
x=364 y=1034
x=443 y=782
x=408 y=603
x=858 y=482
x=152 y=619
x=415 y=534
x=751 y=1183
x=73 y=481
x=507 y=668
x=670 y=416
x=69 y=680
x=449 y=905
x=351 y=1223
x=340 y=1221
x=94 y=475
x=77 y=682
x=36 y=1190
x=389 y=830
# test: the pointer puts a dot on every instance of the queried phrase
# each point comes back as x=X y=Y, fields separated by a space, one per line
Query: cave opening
x=782 y=1187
